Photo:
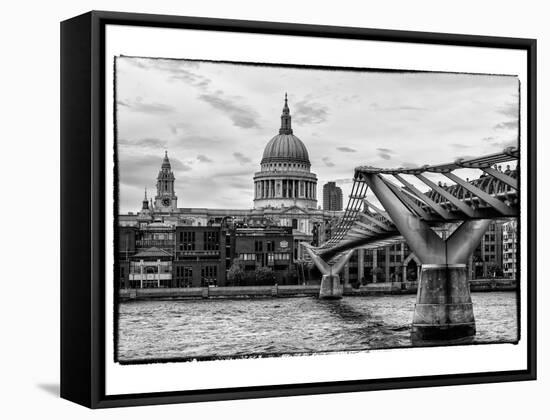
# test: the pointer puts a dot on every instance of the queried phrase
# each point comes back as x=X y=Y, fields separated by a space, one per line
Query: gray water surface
x=181 y=329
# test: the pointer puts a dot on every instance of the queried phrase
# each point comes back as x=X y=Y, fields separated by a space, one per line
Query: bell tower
x=166 y=199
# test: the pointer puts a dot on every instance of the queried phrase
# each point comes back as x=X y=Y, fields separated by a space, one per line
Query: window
x=258 y=245
x=270 y=245
x=294 y=223
x=185 y=276
x=247 y=257
x=209 y=275
x=211 y=240
x=188 y=241
x=278 y=256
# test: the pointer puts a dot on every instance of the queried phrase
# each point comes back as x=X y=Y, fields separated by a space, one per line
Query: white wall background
x=29 y=182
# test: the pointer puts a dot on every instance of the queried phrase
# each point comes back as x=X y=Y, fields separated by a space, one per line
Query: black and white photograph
x=243 y=210
x=275 y=210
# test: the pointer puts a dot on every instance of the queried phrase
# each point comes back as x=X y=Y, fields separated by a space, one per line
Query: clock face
x=165 y=202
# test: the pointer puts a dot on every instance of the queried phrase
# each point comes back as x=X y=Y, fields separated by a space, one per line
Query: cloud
x=240 y=115
x=459 y=146
x=385 y=153
x=146 y=142
x=377 y=107
x=147 y=108
x=347 y=149
x=351 y=99
x=306 y=112
x=204 y=159
x=178 y=70
x=507 y=125
x=328 y=162
x=140 y=171
x=343 y=180
x=193 y=140
x=465 y=157
x=510 y=110
x=242 y=159
x=244 y=184
x=490 y=138
x=180 y=166
x=408 y=165
x=505 y=143
x=234 y=172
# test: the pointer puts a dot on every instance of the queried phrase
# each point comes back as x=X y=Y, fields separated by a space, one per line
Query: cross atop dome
x=286 y=123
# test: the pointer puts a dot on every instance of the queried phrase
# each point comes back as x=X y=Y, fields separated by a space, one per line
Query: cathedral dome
x=285 y=178
x=285 y=147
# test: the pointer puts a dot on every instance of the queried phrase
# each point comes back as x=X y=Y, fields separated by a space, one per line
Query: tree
x=236 y=274
x=494 y=270
x=264 y=276
x=380 y=273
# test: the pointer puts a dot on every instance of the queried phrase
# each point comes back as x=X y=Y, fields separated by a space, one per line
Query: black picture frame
x=83 y=222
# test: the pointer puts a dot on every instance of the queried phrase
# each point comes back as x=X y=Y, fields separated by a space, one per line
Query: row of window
x=135 y=268
x=209 y=275
x=284 y=165
x=156 y=236
x=272 y=256
x=258 y=246
x=211 y=240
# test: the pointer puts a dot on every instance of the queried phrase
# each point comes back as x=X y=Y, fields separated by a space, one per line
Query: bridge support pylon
x=443 y=309
x=331 y=285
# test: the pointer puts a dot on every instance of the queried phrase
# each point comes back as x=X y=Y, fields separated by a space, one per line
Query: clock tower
x=166 y=199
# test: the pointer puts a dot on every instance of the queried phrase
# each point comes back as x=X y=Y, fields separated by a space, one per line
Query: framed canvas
x=259 y=209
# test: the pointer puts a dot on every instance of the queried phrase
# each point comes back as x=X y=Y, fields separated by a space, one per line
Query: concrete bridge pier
x=331 y=287
x=443 y=309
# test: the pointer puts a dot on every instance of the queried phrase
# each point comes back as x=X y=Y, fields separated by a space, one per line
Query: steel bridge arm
x=452 y=199
x=465 y=239
x=424 y=242
x=488 y=198
x=421 y=196
x=508 y=180
x=413 y=207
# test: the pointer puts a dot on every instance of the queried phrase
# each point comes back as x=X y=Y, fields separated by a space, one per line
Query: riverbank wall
x=373 y=289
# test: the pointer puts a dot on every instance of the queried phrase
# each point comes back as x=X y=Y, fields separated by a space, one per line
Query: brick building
x=200 y=256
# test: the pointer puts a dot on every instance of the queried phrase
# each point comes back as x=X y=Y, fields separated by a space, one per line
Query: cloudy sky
x=214 y=119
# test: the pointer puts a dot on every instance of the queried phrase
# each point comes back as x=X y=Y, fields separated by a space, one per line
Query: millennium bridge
x=443 y=309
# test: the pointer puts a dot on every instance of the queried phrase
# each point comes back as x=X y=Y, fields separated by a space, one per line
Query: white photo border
x=302 y=50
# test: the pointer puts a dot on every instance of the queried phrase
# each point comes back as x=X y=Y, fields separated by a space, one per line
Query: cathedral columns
x=290 y=188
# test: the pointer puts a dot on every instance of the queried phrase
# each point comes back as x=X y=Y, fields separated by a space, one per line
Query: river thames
x=210 y=328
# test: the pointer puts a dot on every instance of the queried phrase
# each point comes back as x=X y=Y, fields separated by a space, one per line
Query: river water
x=212 y=328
